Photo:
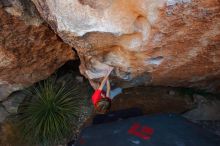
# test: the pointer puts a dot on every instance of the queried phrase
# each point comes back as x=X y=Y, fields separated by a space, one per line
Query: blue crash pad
x=155 y=130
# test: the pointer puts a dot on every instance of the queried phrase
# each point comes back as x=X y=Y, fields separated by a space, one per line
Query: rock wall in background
x=152 y=42
x=164 y=42
x=29 y=50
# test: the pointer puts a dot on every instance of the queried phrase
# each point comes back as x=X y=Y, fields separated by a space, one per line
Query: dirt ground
x=156 y=100
x=153 y=100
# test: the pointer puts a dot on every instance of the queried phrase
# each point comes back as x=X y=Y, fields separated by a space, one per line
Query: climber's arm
x=104 y=80
x=103 y=83
x=108 y=88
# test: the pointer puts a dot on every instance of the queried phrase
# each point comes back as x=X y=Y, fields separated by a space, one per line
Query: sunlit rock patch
x=127 y=34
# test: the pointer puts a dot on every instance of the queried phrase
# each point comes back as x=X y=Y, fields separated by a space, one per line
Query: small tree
x=48 y=117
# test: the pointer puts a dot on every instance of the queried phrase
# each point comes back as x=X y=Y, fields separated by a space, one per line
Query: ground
x=151 y=100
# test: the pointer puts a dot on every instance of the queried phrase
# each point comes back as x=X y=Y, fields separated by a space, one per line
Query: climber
x=101 y=97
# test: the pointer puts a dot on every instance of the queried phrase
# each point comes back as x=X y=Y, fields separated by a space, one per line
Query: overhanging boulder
x=151 y=42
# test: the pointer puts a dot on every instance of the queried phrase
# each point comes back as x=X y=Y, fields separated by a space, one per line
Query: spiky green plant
x=49 y=116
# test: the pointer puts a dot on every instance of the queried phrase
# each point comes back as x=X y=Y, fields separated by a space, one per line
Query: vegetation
x=48 y=117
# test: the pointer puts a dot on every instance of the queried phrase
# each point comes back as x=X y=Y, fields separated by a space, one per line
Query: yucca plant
x=48 y=117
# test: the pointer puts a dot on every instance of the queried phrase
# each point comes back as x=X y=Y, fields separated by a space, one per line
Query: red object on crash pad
x=143 y=132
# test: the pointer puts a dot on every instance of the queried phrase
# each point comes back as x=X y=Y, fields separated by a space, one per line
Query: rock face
x=3 y=114
x=152 y=42
x=29 y=50
x=204 y=110
x=13 y=101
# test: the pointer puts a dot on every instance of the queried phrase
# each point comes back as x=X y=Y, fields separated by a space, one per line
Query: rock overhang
x=164 y=40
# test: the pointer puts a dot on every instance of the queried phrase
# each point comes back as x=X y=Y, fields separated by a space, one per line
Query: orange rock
x=152 y=42
x=29 y=50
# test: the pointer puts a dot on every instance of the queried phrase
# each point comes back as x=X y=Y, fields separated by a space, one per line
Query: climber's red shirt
x=97 y=96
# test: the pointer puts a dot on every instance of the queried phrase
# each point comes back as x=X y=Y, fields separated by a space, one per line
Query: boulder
x=204 y=110
x=3 y=113
x=13 y=101
x=29 y=50
x=148 y=42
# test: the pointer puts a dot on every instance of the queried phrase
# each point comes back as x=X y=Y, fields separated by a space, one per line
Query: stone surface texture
x=151 y=42
x=3 y=114
x=29 y=50
x=13 y=101
x=204 y=110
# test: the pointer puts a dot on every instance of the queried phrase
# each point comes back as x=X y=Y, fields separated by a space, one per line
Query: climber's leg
x=115 y=92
